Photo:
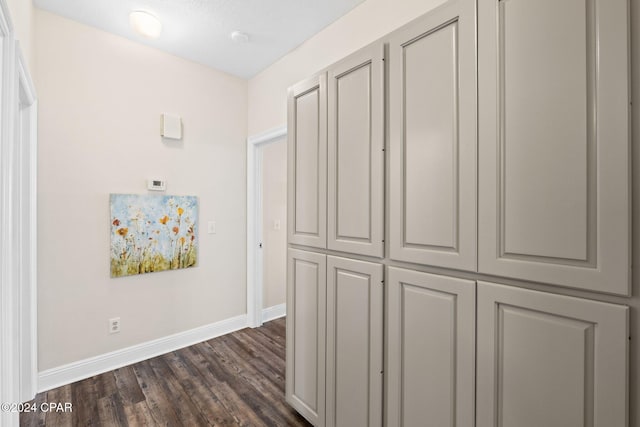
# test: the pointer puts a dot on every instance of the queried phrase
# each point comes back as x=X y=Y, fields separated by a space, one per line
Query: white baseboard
x=67 y=374
x=274 y=312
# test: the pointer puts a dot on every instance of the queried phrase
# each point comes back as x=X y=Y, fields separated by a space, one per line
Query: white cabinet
x=306 y=333
x=307 y=163
x=550 y=360
x=355 y=178
x=354 y=343
x=430 y=350
x=542 y=359
x=336 y=156
x=554 y=175
x=334 y=339
x=432 y=119
x=509 y=155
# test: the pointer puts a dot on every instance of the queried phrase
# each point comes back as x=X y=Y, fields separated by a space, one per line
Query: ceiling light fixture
x=145 y=24
x=239 y=37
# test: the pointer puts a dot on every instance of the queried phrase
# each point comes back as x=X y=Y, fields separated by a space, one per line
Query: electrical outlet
x=276 y=224
x=114 y=325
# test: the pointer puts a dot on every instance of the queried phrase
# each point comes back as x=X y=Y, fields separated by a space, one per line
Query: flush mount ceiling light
x=239 y=37
x=145 y=24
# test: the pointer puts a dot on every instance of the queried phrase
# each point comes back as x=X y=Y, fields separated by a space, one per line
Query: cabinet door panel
x=554 y=142
x=306 y=316
x=307 y=163
x=431 y=350
x=550 y=360
x=356 y=162
x=354 y=342
x=433 y=139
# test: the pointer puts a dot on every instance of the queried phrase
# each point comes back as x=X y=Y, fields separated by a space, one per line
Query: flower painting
x=152 y=233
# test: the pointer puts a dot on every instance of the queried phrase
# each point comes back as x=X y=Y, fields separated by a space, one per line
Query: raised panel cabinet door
x=355 y=180
x=550 y=360
x=307 y=163
x=354 y=343
x=554 y=142
x=430 y=350
x=306 y=333
x=432 y=119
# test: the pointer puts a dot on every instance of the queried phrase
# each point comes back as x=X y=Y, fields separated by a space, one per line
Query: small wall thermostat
x=156 y=185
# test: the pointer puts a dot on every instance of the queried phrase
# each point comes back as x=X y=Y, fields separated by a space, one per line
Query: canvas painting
x=152 y=233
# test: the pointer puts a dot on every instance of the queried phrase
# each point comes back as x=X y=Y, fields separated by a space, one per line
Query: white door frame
x=26 y=136
x=9 y=378
x=18 y=211
x=254 y=222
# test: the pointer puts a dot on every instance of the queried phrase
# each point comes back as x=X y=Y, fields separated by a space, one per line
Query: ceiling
x=200 y=30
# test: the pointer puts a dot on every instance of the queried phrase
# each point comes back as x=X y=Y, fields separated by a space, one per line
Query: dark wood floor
x=236 y=379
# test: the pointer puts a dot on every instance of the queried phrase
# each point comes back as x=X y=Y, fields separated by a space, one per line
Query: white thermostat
x=156 y=185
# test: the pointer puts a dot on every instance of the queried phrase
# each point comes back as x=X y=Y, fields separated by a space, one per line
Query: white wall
x=366 y=23
x=22 y=12
x=274 y=208
x=100 y=99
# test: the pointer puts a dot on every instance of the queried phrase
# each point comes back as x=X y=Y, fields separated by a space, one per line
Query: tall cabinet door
x=431 y=350
x=306 y=333
x=550 y=360
x=307 y=163
x=432 y=119
x=355 y=179
x=554 y=175
x=354 y=343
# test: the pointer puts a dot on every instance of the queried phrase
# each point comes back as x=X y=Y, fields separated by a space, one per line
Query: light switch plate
x=211 y=227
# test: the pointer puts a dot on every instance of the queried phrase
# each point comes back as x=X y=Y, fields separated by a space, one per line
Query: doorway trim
x=9 y=357
x=26 y=134
x=254 y=224
x=18 y=248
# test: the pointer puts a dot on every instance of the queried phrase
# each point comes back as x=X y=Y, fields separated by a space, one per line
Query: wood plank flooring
x=233 y=380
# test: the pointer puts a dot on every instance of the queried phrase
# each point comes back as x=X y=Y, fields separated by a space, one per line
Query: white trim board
x=18 y=248
x=26 y=131
x=254 y=227
x=76 y=371
x=274 y=312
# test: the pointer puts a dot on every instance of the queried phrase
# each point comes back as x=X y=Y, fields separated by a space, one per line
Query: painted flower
x=123 y=231
x=164 y=219
x=182 y=240
x=175 y=230
x=180 y=211
x=116 y=222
